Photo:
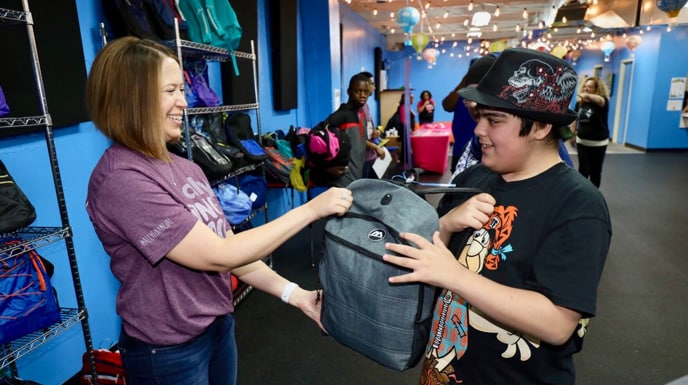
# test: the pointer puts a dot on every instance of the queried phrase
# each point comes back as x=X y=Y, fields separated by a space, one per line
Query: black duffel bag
x=16 y=210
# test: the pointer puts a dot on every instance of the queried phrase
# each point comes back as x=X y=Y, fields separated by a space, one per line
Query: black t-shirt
x=592 y=120
x=549 y=234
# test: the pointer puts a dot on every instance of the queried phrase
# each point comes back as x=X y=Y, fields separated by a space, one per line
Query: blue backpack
x=28 y=301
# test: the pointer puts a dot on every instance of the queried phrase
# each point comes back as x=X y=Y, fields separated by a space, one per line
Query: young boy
x=519 y=264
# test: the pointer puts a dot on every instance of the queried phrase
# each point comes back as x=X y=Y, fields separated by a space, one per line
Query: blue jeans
x=209 y=359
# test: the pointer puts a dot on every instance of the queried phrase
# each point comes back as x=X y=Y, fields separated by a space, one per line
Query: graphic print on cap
x=536 y=86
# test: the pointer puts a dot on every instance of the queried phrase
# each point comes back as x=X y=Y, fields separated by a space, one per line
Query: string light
x=496 y=12
x=470 y=6
x=525 y=13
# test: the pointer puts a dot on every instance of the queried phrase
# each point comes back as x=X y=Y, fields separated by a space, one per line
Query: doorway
x=623 y=100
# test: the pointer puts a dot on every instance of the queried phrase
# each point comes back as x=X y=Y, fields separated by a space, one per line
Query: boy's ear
x=541 y=130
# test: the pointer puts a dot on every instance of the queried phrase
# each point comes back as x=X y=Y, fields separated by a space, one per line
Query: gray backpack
x=361 y=309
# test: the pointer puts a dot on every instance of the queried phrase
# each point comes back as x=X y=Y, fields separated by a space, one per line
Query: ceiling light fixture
x=480 y=19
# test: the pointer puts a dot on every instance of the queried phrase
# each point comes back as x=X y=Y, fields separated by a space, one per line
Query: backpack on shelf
x=278 y=166
x=213 y=22
x=16 y=210
x=240 y=134
x=109 y=368
x=163 y=13
x=212 y=126
x=195 y=76
x=4 y=108
x=236 y=204
x=28 y=303
x=131 y=17
x=388 y=323
x=214 y=164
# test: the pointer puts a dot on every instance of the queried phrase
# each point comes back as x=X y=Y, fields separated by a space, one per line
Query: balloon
x=419 y=41
x=559 y=51
x=430 y=55
x=607 y=47
x=671 y=7
x=633 y=41
x=497 y=46
x=407 y=18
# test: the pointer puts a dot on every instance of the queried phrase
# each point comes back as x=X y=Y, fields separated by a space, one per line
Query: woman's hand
x=334 y=200
x=309 y=302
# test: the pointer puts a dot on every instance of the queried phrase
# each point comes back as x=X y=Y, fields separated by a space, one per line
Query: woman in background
x=592 y=131
x=426 y=108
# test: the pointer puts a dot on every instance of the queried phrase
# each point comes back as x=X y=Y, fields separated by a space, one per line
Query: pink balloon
x=430 y=55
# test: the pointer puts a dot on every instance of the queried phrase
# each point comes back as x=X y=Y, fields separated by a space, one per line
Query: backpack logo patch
x=377 y=235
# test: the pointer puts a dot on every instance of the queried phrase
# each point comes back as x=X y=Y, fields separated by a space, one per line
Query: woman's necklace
x=155 y=162
x=169 y=169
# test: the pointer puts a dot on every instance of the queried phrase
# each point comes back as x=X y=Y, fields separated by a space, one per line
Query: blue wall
x=439 y=79
x=323 y=67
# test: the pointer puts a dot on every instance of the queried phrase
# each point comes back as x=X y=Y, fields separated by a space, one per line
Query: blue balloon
x=671 y=7
x=407 y=18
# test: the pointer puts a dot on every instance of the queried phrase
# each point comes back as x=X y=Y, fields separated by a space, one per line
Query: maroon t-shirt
x=141 y=208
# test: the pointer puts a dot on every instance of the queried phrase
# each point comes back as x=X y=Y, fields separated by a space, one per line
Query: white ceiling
x=449 y=20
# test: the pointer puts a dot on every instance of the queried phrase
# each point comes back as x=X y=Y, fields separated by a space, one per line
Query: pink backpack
x=327 y=146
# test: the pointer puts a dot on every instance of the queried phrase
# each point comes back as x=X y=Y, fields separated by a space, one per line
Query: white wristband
x=286 y=292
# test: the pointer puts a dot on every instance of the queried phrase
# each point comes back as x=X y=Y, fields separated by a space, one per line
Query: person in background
x=398 y=122
x=592 y=130
x=170 y=245
x=463 y=122
x=402 y=111
x=350 y=119
x=373 y=151
x=520 y=262
x=426 y=108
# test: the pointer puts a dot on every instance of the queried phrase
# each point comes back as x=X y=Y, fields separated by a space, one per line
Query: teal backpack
x=213 y=22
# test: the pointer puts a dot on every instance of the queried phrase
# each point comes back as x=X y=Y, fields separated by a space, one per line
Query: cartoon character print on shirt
x=485 y=249
x=205 y=205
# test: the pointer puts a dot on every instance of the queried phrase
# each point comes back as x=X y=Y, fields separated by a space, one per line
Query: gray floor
x=638 y=337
